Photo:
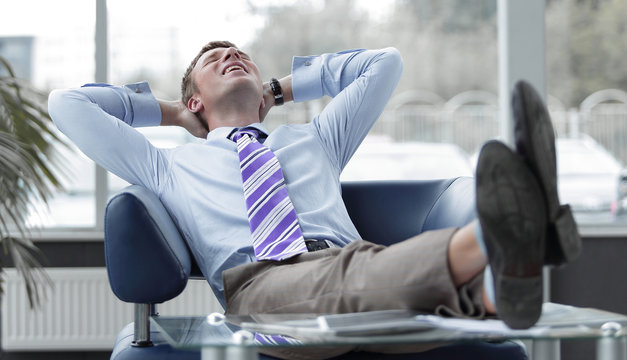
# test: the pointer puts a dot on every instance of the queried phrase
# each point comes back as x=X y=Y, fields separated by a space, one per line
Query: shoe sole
x=535 y=143
x=512 y=215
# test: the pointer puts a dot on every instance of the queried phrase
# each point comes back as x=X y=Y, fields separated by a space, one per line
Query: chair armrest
x=386 y=212
x=454 y=207
x=147 y=259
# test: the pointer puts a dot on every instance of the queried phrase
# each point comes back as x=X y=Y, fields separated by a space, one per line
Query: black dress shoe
x=535 y=143
x=512 y=214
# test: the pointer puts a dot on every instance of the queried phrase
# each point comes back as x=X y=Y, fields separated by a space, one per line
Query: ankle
x=465 y=257
x=490 y=308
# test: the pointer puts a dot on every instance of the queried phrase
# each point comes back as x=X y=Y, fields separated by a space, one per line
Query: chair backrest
x=141 y=239
x=386 y=212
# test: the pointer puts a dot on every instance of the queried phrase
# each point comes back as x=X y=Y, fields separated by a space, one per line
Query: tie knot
x=250 y=131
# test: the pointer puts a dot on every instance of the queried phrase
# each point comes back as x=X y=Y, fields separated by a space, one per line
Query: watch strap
x=277 y=91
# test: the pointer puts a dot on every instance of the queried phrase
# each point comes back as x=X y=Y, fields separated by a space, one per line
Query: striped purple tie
x=273 y=223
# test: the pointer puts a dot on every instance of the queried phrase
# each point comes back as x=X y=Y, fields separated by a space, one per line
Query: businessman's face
x=225 y=76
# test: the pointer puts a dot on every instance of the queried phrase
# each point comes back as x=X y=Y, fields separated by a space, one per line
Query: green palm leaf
x=28 y=174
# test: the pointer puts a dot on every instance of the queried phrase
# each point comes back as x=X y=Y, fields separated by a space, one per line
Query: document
x=385 y=322
x=394 y=322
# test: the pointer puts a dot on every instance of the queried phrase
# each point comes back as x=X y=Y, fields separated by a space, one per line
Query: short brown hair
x=188 y=87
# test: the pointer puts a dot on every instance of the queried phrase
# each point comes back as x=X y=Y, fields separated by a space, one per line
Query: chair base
x=124 y=349
x=510 y=350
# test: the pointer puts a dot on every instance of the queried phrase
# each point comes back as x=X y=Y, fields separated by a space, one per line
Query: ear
x=195 y=105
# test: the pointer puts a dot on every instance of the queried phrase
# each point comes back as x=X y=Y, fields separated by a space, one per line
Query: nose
x=231 y=52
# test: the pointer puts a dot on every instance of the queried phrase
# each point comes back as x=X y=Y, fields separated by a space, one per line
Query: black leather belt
x=315 y=245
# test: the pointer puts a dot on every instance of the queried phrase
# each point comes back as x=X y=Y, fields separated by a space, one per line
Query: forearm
x=132 y=104
x=170 y=110
x=286 y=89
x=99 y=119
x=175 y=113
x=268 y=95
x=329 y=74
x=360 y=83
x=286 y=86
x=79 y=112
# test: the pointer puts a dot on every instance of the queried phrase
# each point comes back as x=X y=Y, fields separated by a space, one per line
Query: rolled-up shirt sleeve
x=360 y=82
x=99 y=119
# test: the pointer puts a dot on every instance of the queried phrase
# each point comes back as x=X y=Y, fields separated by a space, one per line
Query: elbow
x=394 y=60
x=390 y=67
x=60 y=105
x=56 y=101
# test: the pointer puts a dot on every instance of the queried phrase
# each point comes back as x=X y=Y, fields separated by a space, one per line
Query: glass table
x=239 y=337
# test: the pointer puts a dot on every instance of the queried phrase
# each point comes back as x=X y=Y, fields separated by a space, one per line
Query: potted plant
x=28 y=174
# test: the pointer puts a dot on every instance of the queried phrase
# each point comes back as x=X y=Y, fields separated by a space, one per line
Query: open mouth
x=233 y=68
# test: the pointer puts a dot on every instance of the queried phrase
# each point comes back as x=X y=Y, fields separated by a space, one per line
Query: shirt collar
x=225 y=131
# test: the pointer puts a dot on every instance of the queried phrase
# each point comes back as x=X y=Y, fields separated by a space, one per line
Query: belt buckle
x=315 y=245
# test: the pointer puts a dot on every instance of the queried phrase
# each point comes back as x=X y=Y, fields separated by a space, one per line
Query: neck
x=232 y=116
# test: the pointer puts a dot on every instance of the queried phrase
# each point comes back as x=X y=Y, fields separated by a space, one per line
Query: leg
x=467 y=260
x=413 y=274
x=465 y=257
x=360 y=277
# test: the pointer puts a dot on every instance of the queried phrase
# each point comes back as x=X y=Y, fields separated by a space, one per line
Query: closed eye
x=209 y=60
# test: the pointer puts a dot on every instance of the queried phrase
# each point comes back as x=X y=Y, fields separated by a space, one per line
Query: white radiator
x=81 y=312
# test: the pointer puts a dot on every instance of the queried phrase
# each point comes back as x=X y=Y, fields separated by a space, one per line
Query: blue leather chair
x=136 y=223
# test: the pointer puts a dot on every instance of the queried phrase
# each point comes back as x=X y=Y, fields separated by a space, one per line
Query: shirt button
x=138 y=90
x=307 y=63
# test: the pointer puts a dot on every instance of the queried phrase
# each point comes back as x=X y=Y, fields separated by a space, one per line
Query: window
x=444 y=108
x=54 y=52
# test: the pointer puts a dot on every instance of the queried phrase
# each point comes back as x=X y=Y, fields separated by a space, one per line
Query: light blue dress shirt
x=200 y=183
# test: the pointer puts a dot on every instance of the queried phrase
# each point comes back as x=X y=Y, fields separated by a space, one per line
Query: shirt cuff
x=146 y=109
x=307 y=78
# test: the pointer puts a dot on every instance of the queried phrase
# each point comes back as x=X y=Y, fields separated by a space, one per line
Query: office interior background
x=445 y=107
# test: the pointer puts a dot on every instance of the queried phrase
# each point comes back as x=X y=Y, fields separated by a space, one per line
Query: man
x=225 y=100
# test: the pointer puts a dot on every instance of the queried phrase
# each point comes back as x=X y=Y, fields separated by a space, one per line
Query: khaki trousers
x=413 y=274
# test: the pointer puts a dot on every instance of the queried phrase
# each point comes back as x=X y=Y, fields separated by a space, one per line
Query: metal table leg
x=241 y=353
x=242 y=349
x=546 y=349
x=613 y=345
x=229 y=353
x=213 y=353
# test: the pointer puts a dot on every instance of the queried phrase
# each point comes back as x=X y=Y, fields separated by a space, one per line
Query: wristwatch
x=277 y=91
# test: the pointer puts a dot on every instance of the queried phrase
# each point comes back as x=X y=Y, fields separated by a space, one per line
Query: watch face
x=278 y=99
x=275 y=85
x=276 y=90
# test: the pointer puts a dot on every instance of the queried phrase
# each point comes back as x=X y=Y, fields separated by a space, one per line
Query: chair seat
x=510 y=350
